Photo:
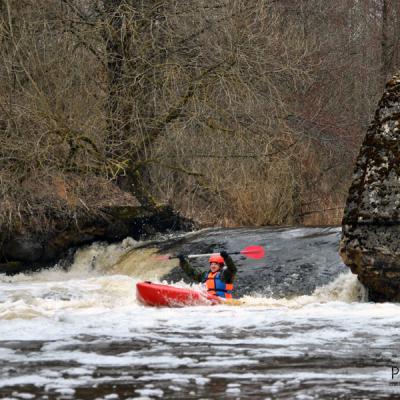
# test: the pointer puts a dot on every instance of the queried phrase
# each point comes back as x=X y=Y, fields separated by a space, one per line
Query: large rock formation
x=370 y=243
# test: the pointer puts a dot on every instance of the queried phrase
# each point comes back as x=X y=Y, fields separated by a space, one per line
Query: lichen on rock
x=370 y=243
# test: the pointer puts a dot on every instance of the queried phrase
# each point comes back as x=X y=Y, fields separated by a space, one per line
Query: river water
x=304 y=330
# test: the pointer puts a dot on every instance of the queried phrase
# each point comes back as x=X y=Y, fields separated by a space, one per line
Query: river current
x=303 y=330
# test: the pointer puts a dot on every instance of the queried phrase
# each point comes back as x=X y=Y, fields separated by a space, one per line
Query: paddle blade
x=255 y=252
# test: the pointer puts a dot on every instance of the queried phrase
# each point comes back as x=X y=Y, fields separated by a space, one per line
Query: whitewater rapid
x=81 y=334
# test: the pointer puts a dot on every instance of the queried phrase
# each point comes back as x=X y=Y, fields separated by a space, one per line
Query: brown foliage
x=237 y=113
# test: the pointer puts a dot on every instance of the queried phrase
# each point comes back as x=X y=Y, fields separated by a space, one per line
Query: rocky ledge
x=370 y=243
x=33 y=246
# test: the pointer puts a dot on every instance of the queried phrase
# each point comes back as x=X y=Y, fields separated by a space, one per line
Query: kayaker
x=220 y=276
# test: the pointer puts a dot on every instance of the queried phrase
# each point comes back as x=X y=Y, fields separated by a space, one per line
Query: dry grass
x=234 y=113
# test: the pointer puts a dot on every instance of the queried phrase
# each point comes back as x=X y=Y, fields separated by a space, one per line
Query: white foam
x=22 y=395
x=63 y=309
x=150 y=392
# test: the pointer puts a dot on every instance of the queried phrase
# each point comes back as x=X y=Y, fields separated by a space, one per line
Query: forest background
x=235 y=112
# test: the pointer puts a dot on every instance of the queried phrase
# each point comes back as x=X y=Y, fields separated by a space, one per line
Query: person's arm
x=190 y=271
x=231 y=270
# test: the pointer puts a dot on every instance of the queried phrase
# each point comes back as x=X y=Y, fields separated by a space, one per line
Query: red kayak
x=155 y=294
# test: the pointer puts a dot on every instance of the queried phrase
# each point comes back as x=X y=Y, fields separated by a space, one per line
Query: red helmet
x=216 y=258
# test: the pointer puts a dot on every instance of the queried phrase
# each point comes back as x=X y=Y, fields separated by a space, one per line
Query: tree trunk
x=385 y=42
x=115 y=67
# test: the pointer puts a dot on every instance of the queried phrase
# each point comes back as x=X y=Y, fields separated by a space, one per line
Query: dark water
x=297 y=261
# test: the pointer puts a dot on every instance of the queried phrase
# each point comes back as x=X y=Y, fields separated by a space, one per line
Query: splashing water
x=81 y=334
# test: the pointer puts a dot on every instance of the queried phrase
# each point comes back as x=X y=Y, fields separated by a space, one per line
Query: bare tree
x=241 y=112
x=390 y=40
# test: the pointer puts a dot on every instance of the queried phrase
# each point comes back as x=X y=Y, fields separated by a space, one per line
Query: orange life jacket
x=217 y=287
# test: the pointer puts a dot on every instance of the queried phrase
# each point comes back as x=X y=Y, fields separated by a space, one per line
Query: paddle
x=255 y=252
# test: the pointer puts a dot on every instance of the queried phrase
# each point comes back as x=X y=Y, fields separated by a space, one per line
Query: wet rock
x=12 y=267
x=23 y=248
x=370 y=243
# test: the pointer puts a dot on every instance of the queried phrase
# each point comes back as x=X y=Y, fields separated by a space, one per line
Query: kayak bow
x=158 y=295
